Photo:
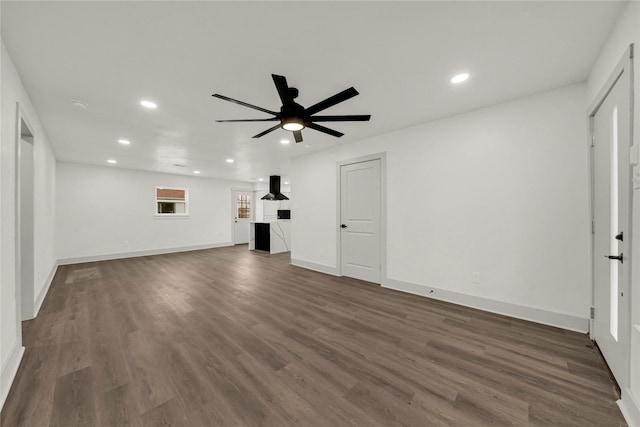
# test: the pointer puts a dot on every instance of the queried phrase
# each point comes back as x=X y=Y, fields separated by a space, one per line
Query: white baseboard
x=551 y=318
x=121 y=255
x=44 y=290
x=9 y=370
x=630 y=408
x=321 y=268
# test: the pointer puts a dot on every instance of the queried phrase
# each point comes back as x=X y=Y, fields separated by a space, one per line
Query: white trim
x=545 y=317
x=321 y=268
x=107 y=257
x=630 y=408
x=9 y=371
x=45 y=289
x=171 y=216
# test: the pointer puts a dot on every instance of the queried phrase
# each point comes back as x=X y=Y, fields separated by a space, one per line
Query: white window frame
x=159 y=215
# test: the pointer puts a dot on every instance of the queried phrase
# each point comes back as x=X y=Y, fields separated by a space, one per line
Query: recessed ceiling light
x=196 y=172
x=148 y=104
x=124 y=141
x=260 y=179
x=78 y=103
x=113 y=162
x=459 y=78
x=230 y=160
x=284 y=141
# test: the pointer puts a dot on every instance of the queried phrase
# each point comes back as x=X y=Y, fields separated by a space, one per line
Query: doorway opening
x=25 y=166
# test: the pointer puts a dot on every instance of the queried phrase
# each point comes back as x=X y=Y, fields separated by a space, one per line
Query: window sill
x=171 y=216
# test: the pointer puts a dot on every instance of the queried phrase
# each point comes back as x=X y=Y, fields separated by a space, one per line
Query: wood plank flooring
x=229 y=337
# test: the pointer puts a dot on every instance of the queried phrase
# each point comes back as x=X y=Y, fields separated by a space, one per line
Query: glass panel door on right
x=611 y=216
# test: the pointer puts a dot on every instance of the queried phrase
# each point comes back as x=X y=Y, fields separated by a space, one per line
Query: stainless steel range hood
x=274 y=189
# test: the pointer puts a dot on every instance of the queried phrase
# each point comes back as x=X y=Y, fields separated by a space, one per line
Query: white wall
x=625 y=32
x=108 y=212
x=13 y=92
x=502 y=191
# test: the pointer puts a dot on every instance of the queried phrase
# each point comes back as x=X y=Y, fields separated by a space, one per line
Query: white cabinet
x=284 y=204
x=270 y=210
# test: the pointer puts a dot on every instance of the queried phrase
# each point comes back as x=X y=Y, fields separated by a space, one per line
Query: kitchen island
x=273 y=237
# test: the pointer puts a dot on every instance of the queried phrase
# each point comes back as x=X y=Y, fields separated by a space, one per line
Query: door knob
x=343 y=226
x=620 y=236
x=618 y=257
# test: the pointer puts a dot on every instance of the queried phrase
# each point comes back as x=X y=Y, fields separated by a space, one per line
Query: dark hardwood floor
x=228 y=337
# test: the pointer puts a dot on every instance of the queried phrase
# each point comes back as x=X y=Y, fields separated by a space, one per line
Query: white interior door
x=612 y=235
x=242 y=215
x=360 y=220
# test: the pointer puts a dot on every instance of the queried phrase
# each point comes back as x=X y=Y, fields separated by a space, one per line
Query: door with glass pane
x=242 y=213
x=611 y=141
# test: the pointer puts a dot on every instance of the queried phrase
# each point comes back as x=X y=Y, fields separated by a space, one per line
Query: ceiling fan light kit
x=294 y=117
x=293 y=124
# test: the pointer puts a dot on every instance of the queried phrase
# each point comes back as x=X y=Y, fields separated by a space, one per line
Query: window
x=171 y=201
x=243 y=204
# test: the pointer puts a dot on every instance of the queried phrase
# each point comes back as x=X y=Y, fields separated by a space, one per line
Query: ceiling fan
x=294 y=117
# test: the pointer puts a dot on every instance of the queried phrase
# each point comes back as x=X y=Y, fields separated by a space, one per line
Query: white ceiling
x=398 y=55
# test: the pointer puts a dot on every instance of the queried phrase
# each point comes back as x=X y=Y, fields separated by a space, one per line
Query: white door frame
x=22 y=134
x=233 y=210
x=383 y=210
x=625 y=62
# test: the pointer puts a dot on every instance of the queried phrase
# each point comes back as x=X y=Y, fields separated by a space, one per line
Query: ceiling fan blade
x=353 y=118
x=283 y=88
x=323 y=129
x=332 y=100
x=267 y=131
x=226 y=98
x=249 y=120
x=297 y=135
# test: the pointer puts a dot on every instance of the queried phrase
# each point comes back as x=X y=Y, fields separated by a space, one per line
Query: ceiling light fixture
x=459 y=78
x=124 y=141
x=230 y=160
x=196 y=172
x=293 y=124
x=260 y=179
x=284 y=141
x=286 y=183
x=113 y=162
x=148 y=104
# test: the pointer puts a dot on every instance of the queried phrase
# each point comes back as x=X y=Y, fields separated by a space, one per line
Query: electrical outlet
x=475 y=277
